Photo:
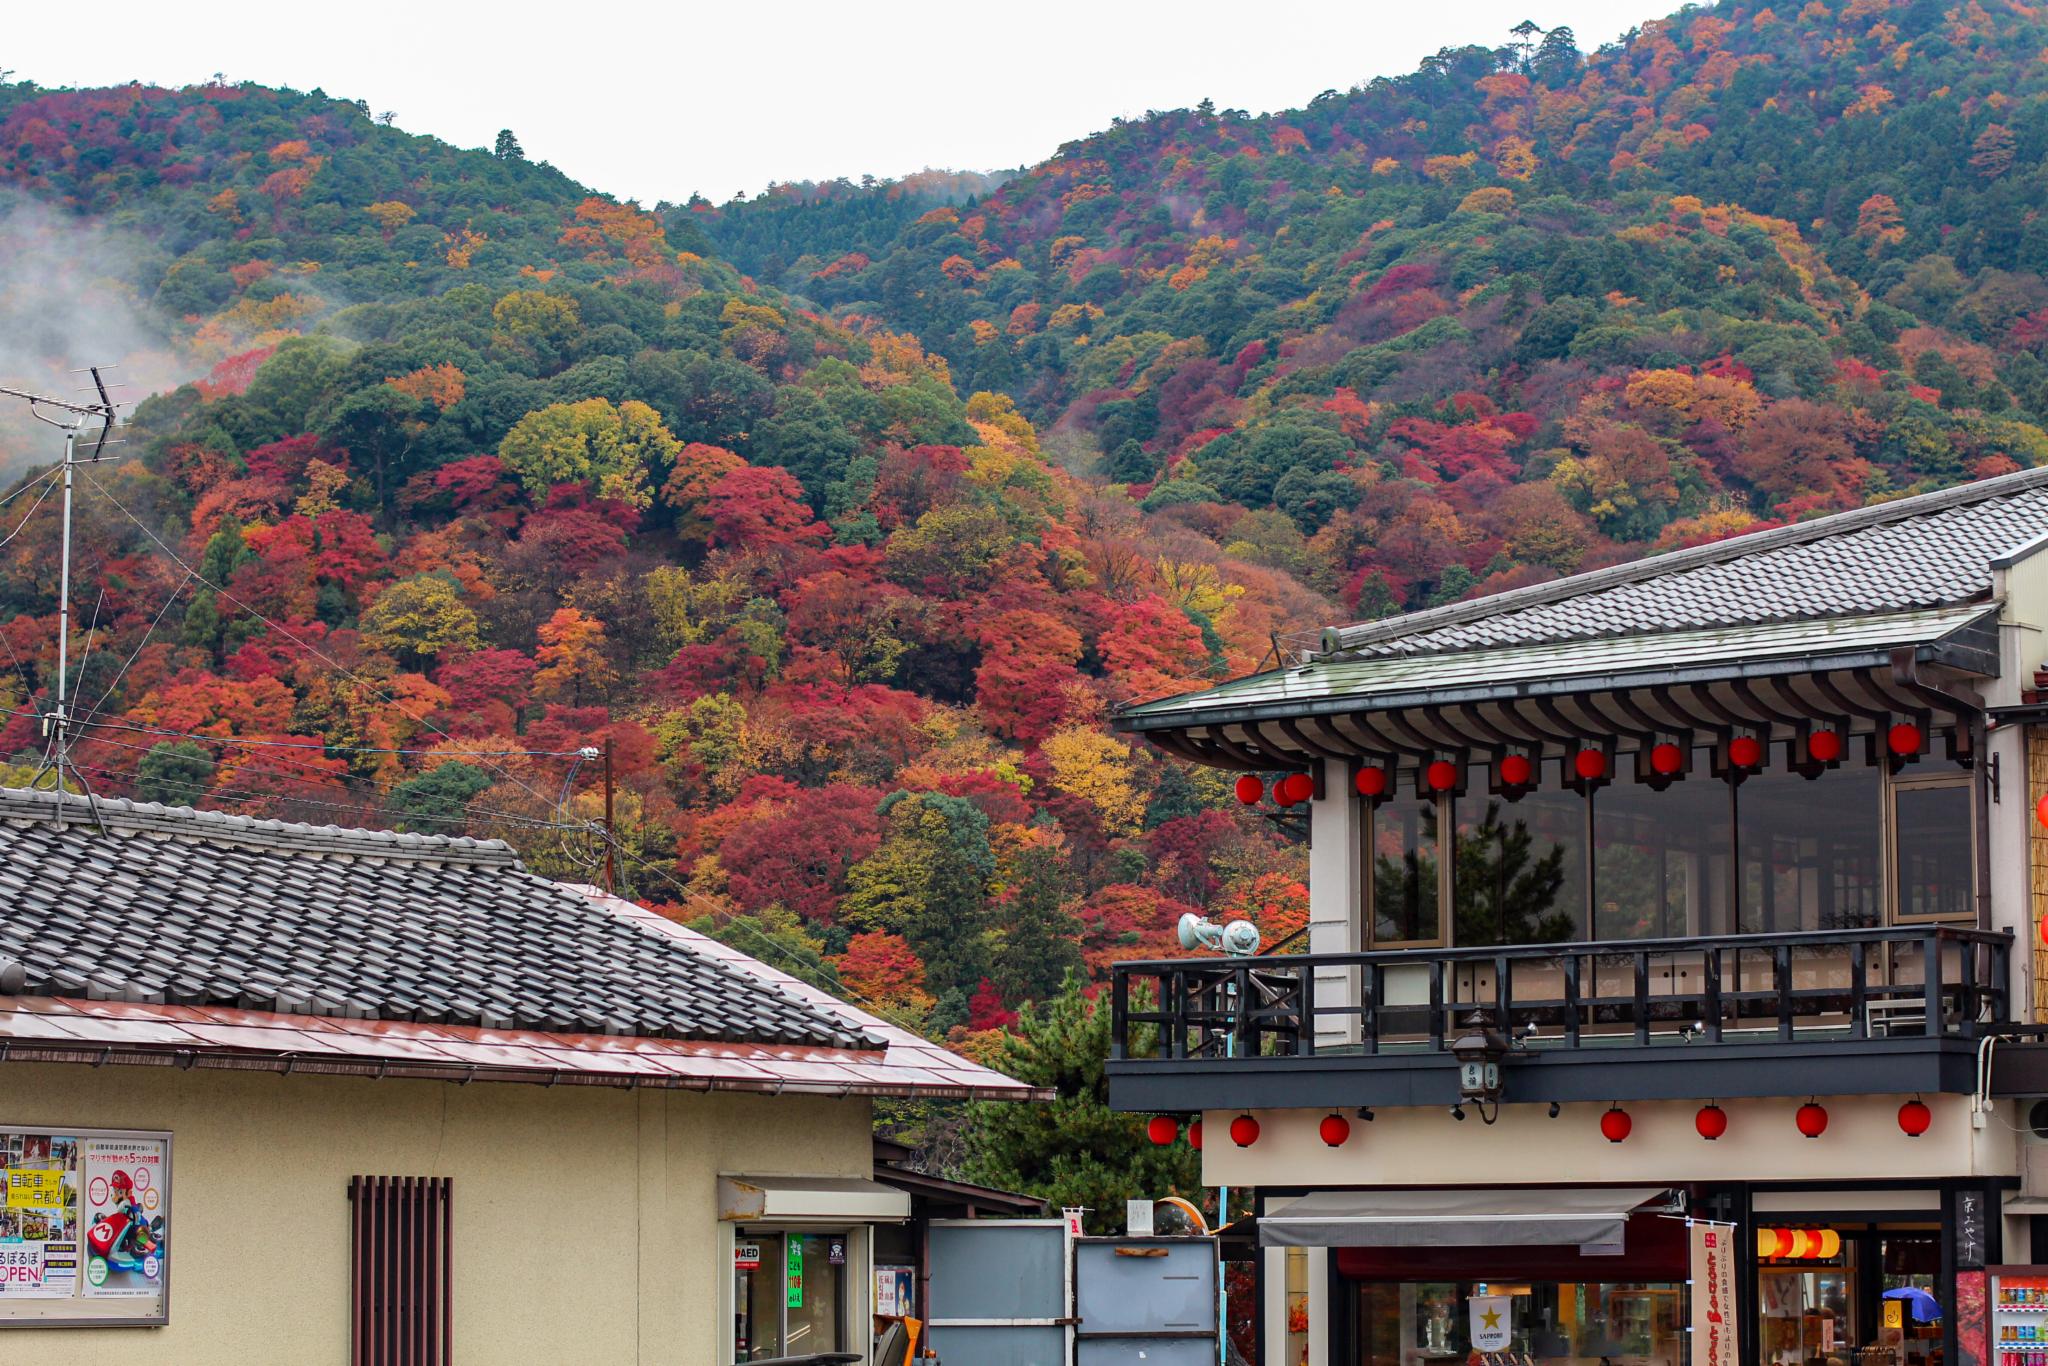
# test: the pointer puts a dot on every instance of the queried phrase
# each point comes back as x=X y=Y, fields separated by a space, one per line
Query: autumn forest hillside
x=846 y=515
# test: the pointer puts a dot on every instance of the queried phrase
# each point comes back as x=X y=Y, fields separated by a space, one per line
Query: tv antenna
x=72 y=417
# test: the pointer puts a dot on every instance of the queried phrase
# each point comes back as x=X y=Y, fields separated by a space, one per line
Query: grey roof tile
x=215 y=909
x=1932 y=550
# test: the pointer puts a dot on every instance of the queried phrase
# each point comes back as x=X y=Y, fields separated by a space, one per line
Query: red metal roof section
x=51 y=1029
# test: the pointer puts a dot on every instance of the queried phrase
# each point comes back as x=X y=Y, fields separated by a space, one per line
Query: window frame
x=1894 y=784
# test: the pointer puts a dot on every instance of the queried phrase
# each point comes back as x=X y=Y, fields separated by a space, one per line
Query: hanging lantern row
x=1803 y=1244
x=1710 y=1122
x=1590 y=764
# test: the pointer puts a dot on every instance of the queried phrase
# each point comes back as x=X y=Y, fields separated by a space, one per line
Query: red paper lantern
x=1666 y=758
x=1915 y=1118
x=1297 y=787
x=1250 y=790
x=1711 y=1121
x=2041 y=809
x=1783 y=1240
x=1441 y=775
x=1745 y=751
x=1824 y=746
x=1335 y=1129
x=1812 y=1119
x=1903 y=739
x=1244 y=1131
x=1589 y=764
x=1162 y=1129
x=1370 y=782
x=1615 y=1125
x=1516 y=770
x=1195 y=1134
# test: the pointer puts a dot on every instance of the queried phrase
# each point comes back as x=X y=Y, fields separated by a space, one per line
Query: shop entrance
x=1850 y=1295
x=789 y=1293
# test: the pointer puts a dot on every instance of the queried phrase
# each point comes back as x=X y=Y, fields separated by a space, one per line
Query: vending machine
x=2018 y=1316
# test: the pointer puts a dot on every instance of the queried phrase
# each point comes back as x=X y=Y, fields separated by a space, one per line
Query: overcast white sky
x=655 y=101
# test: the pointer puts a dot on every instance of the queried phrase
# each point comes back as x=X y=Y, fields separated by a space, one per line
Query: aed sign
x=746 y=1256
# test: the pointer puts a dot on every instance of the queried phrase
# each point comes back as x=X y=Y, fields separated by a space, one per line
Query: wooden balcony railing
x=1847 y=984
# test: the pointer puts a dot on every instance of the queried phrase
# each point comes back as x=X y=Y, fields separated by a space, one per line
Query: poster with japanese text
x=38 y=1216
x=126 y=1217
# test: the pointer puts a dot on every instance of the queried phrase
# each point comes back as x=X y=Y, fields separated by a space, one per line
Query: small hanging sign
x=1492 y=1322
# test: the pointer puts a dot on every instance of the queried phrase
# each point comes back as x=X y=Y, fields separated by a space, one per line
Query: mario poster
x=127 y=1211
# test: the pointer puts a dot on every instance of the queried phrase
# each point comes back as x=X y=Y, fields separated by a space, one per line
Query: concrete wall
x=585 y=1222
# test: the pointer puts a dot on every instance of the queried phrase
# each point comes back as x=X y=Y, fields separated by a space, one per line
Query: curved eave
x=1764 y=675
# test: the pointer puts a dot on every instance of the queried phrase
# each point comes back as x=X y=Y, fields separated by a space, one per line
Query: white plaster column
x=1336 y=896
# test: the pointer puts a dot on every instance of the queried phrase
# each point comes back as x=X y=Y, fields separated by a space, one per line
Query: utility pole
x=611 y=843
x=57 y=722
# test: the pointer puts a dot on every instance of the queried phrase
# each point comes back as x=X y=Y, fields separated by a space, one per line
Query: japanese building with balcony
x=1703 y=888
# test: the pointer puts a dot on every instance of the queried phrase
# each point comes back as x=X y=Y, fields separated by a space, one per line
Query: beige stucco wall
x=585 y=1223
x=1426 y=1147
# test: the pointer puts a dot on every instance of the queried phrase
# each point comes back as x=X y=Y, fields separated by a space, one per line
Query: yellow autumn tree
x=572 y=656
x=1098 y=769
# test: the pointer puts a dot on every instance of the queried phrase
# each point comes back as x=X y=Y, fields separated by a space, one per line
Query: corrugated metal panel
x=1366 y=679
x=1151 y=1300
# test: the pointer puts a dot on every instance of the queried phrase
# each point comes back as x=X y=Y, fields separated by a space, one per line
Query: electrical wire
x=307 y=646
x=816 y=965
x=25 y=517
x=140 y=645
x=43 y=478
x=250 y=795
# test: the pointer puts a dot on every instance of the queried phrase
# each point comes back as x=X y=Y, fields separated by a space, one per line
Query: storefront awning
x=749 y=1199
x=1455 y=1218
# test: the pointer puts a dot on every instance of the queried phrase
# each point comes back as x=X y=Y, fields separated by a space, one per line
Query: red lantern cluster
x=1294 y=789
x=1711 y=1121
x=1903 y=739
x=1666 y=758
x=1250 y=790
x=1590 y=764
x=1824 y=746
x=1812 y=1119
x=1335 y=1129
x=1371 y=782
x=1162 y=1129
x=1244 y=1131
x=1517 y=771
x=1745 y=751
x=1441 y=775
x=1615 y=1125
x=1915 y=1118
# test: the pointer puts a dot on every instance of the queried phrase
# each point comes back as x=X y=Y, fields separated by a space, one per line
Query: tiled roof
x=198 y=908
x=1932 y=550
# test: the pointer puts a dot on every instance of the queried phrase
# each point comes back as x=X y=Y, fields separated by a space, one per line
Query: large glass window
x=1812 y=850
x=1804 y=854
x=1660 y=859
x=1520 y=876
x=1404 y=872
x=1406 y=1323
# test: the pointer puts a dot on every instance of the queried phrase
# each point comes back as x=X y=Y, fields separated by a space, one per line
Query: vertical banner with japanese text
x=1713 y=1294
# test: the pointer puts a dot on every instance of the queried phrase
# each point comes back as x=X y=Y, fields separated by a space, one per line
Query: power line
x=310 y=648
x=816 y=965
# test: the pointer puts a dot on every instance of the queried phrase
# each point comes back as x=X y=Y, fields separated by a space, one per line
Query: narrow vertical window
x=399 y=1271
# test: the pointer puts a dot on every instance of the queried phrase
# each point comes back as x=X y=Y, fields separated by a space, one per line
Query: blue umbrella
x=1922 y=1306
